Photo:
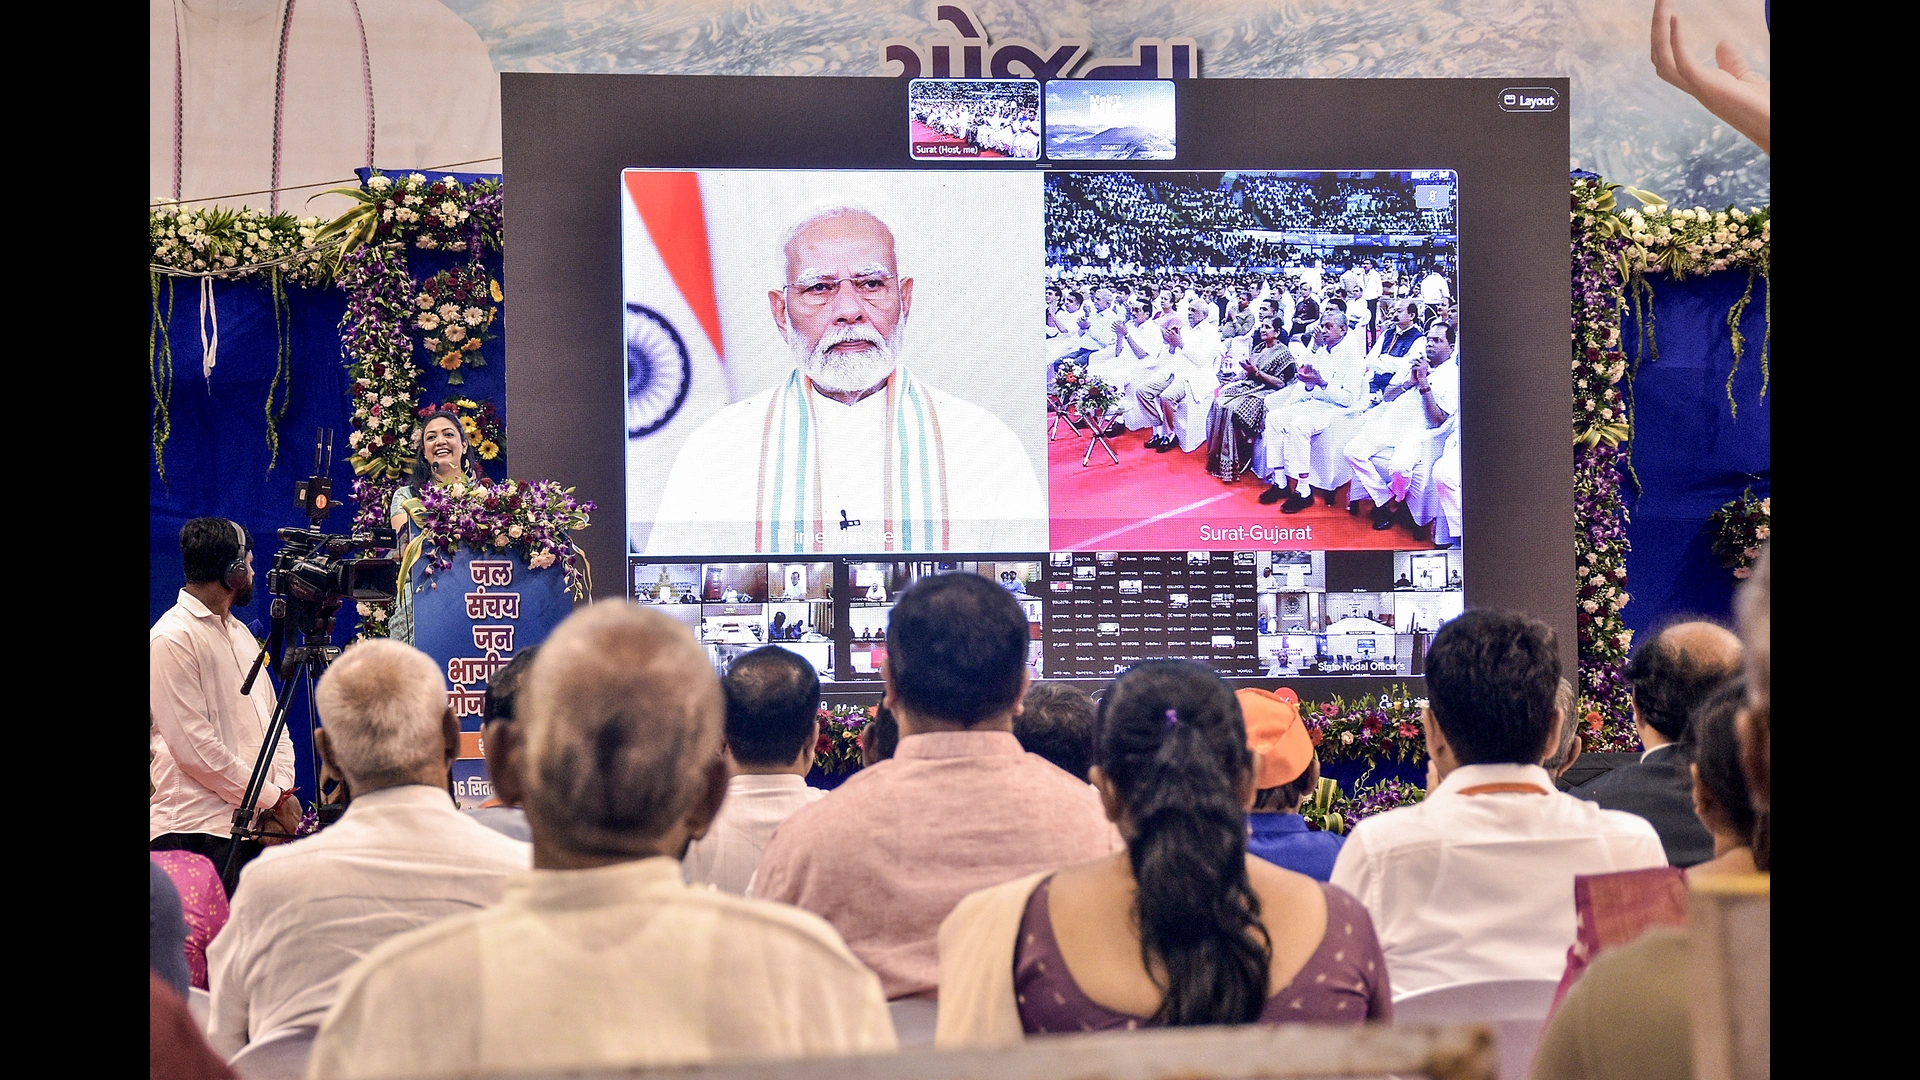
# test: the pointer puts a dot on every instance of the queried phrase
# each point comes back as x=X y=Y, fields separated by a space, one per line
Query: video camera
x=314 y=572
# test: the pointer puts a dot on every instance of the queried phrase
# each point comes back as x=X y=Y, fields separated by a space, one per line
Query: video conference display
x=837 y=379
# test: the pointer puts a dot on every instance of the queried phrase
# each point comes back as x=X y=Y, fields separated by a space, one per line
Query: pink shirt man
x=887 y=855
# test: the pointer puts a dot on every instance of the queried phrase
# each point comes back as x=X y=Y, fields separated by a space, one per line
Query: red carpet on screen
x=1167 y=502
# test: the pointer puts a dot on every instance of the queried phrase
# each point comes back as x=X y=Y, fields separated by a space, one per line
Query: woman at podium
x=441 y=457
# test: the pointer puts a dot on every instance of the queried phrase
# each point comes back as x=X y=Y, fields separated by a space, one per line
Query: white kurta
x=709 y=506
x=620 y=966
x=1398 y=438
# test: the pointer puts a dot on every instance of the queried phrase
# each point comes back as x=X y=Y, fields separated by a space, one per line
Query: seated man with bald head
x=1672 y=676
x=603 y=957
x=400 y=858
x=850 y=450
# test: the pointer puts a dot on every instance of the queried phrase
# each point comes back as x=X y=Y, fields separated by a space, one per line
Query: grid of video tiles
x=1090 y=614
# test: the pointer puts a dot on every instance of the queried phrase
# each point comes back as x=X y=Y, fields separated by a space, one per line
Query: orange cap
x=1274 y=730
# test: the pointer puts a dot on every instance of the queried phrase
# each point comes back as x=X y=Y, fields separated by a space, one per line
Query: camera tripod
x=307 y=662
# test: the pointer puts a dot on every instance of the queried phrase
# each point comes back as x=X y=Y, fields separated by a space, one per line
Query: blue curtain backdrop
x=1690 y=451
x=216 y=459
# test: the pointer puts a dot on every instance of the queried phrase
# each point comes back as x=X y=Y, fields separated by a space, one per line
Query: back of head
x=382 y=705
x=1056 y=722
x=619 y=716
x=1491 y=680
x=1170 y=740
x=208 y=545
x=504 y=688
x=1674 y=673
x=773 y=698
x=1714 y=746
x=1562 y=753
x=957 y=648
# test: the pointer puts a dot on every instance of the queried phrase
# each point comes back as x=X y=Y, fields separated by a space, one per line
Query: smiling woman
x=441 y=456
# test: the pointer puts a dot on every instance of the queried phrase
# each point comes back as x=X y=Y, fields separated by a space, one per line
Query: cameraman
x=205 y=735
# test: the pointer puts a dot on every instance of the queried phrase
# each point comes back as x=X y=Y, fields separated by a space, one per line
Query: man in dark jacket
x=1671 y=676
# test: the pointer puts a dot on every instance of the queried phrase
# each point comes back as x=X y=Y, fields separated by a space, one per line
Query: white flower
x=515 y=531
x=473 y=315
x=1606 y=414
x=418 y=178
x=380 y=183
x=424 y=302
x=386 y=399
x=499 y=540
x=427 y=321
x=541 y=560
x=449 y=312
x=458 y=489
x=455 y=332
x=1589 y=606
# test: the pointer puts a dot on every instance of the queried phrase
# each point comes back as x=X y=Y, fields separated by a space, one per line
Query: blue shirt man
x=1286 y=771
x=1283 y=839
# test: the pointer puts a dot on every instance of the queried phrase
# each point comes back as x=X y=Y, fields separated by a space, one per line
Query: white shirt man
x=756 y=805
x=603 y=957
x=1476 y=882
x=1190 y=372
x=1398 y=438
x=1466 y=887
x=1433 y=289
x=401 y=857
x=205 y=736
x=1137 y=352
x=1371 y=283
x=773 y=703
x=849 y=452
x=1331 y=381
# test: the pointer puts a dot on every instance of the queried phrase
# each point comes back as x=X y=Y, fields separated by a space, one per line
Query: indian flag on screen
x=673 y=354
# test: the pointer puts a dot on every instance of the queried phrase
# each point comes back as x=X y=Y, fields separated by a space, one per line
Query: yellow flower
x=451 y=361
x=493 y=287
x=489 y=450
x=467 y=425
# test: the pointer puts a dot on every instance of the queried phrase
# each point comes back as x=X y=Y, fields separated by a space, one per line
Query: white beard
x=847 y=373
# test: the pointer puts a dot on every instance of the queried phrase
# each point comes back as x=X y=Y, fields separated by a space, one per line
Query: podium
x=472 y=618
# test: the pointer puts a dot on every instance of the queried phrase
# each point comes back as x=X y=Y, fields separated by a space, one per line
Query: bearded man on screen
x=848 y=452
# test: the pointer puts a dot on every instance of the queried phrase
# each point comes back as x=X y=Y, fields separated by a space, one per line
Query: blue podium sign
x=471 y=618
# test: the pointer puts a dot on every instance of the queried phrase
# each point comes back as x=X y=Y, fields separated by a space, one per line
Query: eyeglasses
x=817 y=291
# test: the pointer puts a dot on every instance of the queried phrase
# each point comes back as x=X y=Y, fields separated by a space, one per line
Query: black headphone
x=236 y=575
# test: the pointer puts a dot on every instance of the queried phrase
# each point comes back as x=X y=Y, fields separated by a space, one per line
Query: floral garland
x=1373 y=729
x=479 y=424
x=838 y=750
x=377 y=330
x=457 y=308
x=229 y=243
x=1330 y=811
x=1683 y=243
x=1601 y=426
x=221 y=243
x=1739 y=528
x=531 y=519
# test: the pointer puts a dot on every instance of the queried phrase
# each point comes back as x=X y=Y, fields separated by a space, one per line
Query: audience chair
x=280 y=1056
x=1423 y=499
x=200 y=1004
x=914 y=1020
x=1515 y=1008
x=1327 y=466
x=1213 y=1053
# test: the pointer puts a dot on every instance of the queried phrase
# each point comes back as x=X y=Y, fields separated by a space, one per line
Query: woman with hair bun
x=1181 y=928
